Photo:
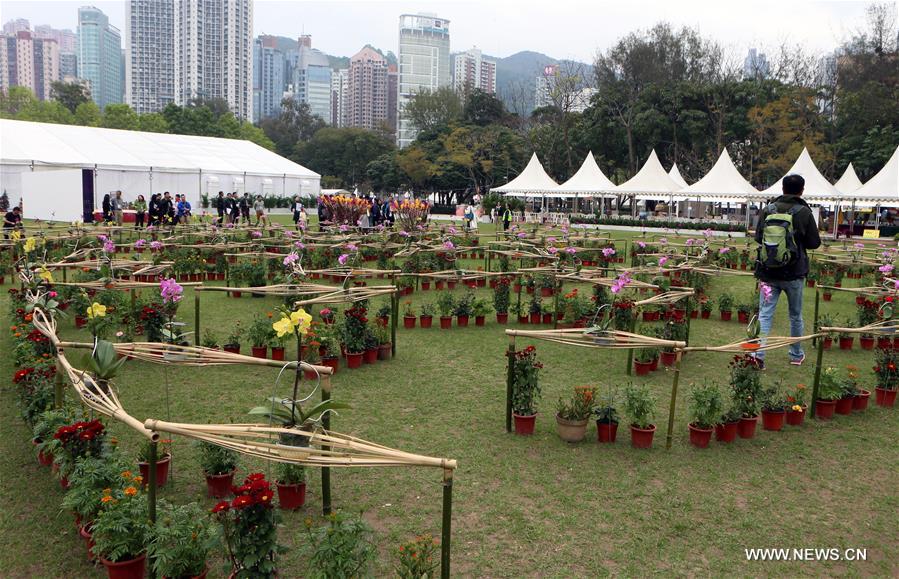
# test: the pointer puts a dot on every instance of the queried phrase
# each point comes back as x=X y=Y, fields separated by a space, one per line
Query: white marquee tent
x=675 y=175
x=532 y=182
x=882 y=188
x=650 y=182
x=59 y=171
x=722 y=184
x=817 y=188
x=589 y=181
x=849 y=182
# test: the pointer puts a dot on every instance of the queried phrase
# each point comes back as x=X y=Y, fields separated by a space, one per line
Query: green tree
x=415 y=164
x=384 y=174
x=69 y=94
x=153 y=123
x=46 y=112
x=88 y=114
x=428 y=110
x=483 y=108
x=482 y=154
x=295 y=124
x=15 y=100
x=343 y=152
x=120 y=116
x=250 y=132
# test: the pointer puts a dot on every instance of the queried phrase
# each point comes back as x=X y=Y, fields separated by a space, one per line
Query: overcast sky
x=559 y=28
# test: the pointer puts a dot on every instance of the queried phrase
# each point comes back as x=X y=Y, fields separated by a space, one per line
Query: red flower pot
x=354 y=361
x=130 y=569
x=705 y=314
x=824 y=409
x=846 y=343
x=310 y=375
x=606 y=431
x=743 y=317
x=479 y=320
x=773 y=420
x=884 y=397
x=522 y=319
x=866 y=343
x=654 y=365
x=642 y=437
x=516 y=287
x=462 y=321
x=446 y=322
x=85 y=533
x=45 y=458
x=291 y=497
x=409 y=322
x=746 y=427
x=694 y=314
x=332 y=362
x=700 y=437
x=451 y=285
x=860 y=401
x=726 y=432
x=385 y=351
x=546 y=292
x=827 y=296
x=547 y=318
x=809 y=283
x=896 y=342
x=425 y=286
x=219 y=485
x=642 y=368
x=278 y=353
x=884 y=343
x=668 y=358
x=502 y=318
x=425 y=321
x=795 y=417
x=162 y=470
x=534 y=318
x=236 y=294
x=482 y=282
x=726 y=316
x=524 y=425
x=370 y=356
x=828 y=342
x=80 y=321
x=438 y=284
x=260 y=351
x=232 y=349
x=844 y=405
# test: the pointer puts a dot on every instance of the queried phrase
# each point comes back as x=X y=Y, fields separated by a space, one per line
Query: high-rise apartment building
x=198 y=49
x=150 y=54
x=269 y=67
x=755 y=65
x=366 y=104
x=393 y=80
x=28 y=61
x=68 y=50
x=312 y=81
x=340 y=82
x=472 y=71
x=424 y=64
x=10 y=27
x=100 y=56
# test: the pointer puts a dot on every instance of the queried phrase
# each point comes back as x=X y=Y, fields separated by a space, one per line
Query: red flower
x=222 y=506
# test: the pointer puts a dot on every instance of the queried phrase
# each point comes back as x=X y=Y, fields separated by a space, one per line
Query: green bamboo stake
x=558 y=290
x=630 y=351
x=151 y=482
x=446 y=528
x=394 y=313
x=817 y=377
x=326 y=471
x=509 y=376
x=197 y=291
x=817 y=301
x=674 y=383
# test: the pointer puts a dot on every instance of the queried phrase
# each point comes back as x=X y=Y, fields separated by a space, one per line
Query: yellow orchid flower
x=283 y=327
x=96 y=310
x=45 y=275
x=301 y=320
x=30 y=244
x=16 y=235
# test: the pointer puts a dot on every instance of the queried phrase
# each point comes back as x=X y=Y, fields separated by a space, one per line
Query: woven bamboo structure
x=597 y=338
x=669 y=297
x=881 y=328
x=753 y=345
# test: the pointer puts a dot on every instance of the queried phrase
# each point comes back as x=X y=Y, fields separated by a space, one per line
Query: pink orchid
x=663 y=260
x=343 y=259
x=766 y=291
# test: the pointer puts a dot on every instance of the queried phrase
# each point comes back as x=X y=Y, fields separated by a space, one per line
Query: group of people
x=162 y=209
x=235 y=208
x=379 y=212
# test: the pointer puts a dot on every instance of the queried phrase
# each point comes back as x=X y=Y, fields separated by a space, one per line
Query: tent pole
x=836 y=218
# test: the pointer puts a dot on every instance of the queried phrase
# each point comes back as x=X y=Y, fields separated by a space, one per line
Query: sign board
x=871 y=234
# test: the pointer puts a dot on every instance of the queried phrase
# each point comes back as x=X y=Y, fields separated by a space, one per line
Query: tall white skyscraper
x=340 y=87
x=209 y=44
x=424 y=64
x=312 y=81
x=100 y=56
x=472 y=71
x=269 y=67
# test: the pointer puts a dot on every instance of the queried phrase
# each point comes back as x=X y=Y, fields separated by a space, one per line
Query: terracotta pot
x=385 y=351
x=743 y=317
x=446 y=322
x=571 y=430
x=726 y=432
x=130 y=569
x=773 y=419
x=232 y=348
x=796 y=417
x=824 y=409
x=524 y=425
x=828 y=342
x=84 y=531
x=462 y=321
x=331 y=362
x=844 y=405
x=846 y=343
x=705 y=314
x=409 y=322
x=668 y=358
x=606 y=431
x=867 y=343
x=291 y=497
x=502 y=318
x=162 y=470
x=260 y=351
x=642 y=437
x=219 y=485
x=726 y=316
x=370 y=356
x=700 y=437
x=479 y=320
x=522 y=319
x=278 y=353
x=546 y=292
x=746 y=427
x=425 y=321
x=354 y=361
x=236 y=294
x=534 y=318
x=642 y=368
x=860 y=400
x=884 y=343
x=827 y=296
x=884 y=397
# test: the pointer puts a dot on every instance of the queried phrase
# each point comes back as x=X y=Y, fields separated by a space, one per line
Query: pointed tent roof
x=884 y=186
x=675 y=175
x=722 y=183
x=589 y=181
x=650 y=181
x=817 y=188
x=849 y=182
x=532 y=180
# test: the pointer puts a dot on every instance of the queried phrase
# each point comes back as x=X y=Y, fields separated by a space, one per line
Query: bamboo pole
x=326 y=471
x=152 y=483
x=510 y=373
x=197 y=316
x=818 y=360
x=674 y=383
x=817 y=304
x=446 y=527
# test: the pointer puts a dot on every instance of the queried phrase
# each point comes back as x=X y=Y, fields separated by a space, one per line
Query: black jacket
x=805 y=232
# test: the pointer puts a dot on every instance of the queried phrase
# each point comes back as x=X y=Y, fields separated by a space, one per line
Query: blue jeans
x=793 y=289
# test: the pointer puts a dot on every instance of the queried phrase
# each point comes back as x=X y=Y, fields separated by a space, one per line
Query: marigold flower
x=106 y=499
x=130 y=491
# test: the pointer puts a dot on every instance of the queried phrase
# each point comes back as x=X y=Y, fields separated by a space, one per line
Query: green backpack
x=778 y=248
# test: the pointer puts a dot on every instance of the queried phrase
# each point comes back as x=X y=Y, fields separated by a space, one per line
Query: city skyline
x=562 y=30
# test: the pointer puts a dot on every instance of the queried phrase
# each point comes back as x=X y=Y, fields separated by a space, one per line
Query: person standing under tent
x=220 y=203
x=469 y=216
x=12 y=221
x=259 y=208
x=304 y=218
x=117 y=205
x=179 y=208
x=297 y=207
x=234 y=208
x=185 y=209
x=785 y=230
x=153 y=210
x=107 y=209
x=246 y=202
x=506 y=216
x=140 y=211
x=166 y=209
x=386 y=213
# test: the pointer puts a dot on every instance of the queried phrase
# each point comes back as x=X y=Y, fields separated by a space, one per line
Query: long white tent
x=532 y=182
x=60 y=170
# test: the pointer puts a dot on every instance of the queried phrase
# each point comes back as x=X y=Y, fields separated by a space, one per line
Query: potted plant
x=329 y=350
x=525 y=389
x=725 y=306
x=547 y=285
x=210 y=340
x=260 y=333
x=746 y=389
x=383 y=314
x=276 y=343
x=643 y=361
x=326 y=315
x=464 y=309
x=706 y=406
x=232 y=342
x=382 y=336
x=418 y=558
x=342 y=547
x=826 y=321
x=76 y=441
x=180 y=542
x=445 y=305
x=572 y=416
x=546 y=316
x=826 y=281
x=860 y=396
x=163 y=461
x=726 y=429
x=480 y=308
x=744 y=309
x=830 y=389
x=122 y=530
x=705 y=308
x=796 y=405
x=606 y=418
x=354 y=329
x=639 y=407
x=501 y=300
x=408 y=315
x=287 y=413
x=218 y=464
x=291 y=483
x=846 y=338
x=774 y=407
x=250 y=529
x=534 y=309
x=426 y=315
x=885 y=368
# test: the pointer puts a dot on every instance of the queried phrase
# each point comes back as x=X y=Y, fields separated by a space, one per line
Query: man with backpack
x=786 y=229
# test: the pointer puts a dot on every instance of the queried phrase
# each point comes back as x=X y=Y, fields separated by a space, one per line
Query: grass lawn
x=524 y=506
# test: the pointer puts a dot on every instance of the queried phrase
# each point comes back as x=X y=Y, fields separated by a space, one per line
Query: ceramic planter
x=824 y=409
x=462 y=321
x=726 y=316
x=773 y=419
x=259 y=351
x=331 y=362
x=867 y=343
x=425 y=286
x=479 y=320
x=571 y=430
x=547 y=318
x=642 y=437
x=846 y=343
x=700 y=437
x=534 y=318
x=219 y=485
x=370 y=356
x=884 y=397
x=446 y=322
x=746 y=427
x=642 y=368
x=502 y=318
x=425 y=321
x=668 y=358
x=130 y=569
x=726 y=432
x=278 y=353
x=524 y=425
